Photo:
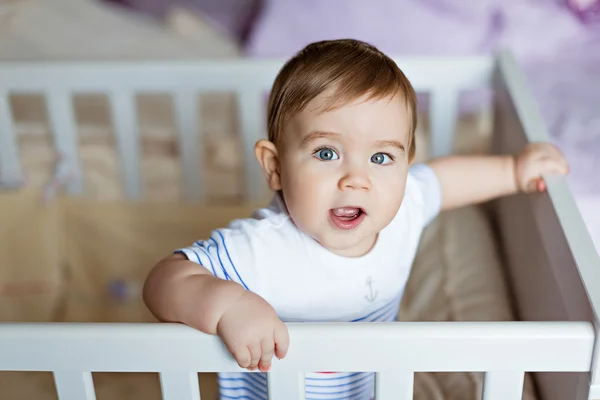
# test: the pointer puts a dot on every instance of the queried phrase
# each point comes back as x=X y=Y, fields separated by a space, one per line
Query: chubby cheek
x=307 y=192
x=389 y=185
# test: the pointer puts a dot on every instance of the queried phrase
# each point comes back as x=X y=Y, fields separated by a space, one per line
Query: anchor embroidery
x=372 y=295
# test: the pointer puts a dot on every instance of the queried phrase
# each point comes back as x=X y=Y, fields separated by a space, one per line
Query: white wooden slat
x=179 y=386
x=191 y=145
x=443 y=115
x=63 y=125
x=394 y=385
x=252 y=117
x=423 y=346
x=286 y=385
x=123 y=110
x=10 y=166
x=503 y=385
x=72 y=385
x=225 y=75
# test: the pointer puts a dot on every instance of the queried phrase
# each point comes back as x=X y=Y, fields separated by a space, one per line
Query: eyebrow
x=314 y=136
x=390 y=143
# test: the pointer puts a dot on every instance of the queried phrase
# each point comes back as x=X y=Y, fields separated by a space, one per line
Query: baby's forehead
x=374 y=117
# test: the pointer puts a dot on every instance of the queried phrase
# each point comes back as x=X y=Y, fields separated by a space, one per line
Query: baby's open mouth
x=347 y=217
x=347 y=213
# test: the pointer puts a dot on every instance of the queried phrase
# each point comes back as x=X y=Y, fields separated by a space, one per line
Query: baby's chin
x=348 y=246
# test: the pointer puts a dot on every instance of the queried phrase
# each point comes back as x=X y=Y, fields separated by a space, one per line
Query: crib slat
x=62 y=122
x=10 y=166
x=252 y=118
x=503 y=385
x=190 y=144
x=286 y=385
x=123 y=110
x=72 y=385
x=443 y=116
x=394 y=385
x=179 y=386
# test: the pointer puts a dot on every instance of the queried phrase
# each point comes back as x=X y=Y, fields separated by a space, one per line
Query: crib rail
x=504 y=350
x=443 y=78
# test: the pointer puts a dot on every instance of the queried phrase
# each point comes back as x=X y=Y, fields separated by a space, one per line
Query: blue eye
x=326 y=154
x=381 y=158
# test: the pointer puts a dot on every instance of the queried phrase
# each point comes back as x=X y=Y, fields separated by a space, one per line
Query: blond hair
x=354 y=68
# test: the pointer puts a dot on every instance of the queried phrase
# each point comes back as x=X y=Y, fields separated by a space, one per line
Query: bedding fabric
x=407 y=26
x=99 y=265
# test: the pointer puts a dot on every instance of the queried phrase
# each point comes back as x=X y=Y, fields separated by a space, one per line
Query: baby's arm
x=178 y=290
x=468 y=180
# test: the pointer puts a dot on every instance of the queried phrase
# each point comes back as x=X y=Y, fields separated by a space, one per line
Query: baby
x=339 y=238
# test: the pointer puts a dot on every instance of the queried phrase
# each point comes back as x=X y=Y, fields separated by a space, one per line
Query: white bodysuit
x=303 y=281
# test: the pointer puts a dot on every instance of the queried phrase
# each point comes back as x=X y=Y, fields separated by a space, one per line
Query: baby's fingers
x=255 y=353
x=554 y=165
x=268 y=349
x=282 y=340
x=242 y=356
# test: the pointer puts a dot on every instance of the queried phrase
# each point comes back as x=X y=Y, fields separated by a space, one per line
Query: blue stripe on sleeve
x=219 y=258
x=216 y=244
x=211 y=263
x=231 y=262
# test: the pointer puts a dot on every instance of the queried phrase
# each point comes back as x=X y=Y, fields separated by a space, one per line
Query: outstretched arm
x=468 y=180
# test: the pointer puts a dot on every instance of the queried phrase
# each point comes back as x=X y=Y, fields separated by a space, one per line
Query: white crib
x=553 y=268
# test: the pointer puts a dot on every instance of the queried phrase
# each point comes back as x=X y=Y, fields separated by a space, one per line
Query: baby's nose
x=356 y=180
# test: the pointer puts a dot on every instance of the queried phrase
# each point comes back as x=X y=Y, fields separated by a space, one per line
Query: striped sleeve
x=430 y=189
x=227 y=254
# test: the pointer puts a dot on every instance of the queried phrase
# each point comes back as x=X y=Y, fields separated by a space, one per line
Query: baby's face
x=343 y=172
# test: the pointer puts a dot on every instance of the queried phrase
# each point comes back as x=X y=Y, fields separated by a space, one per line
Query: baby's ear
x=268 y=158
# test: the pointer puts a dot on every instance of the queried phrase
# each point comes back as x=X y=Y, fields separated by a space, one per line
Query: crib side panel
x=249 y=80
x=393 y=351
x=543 y=256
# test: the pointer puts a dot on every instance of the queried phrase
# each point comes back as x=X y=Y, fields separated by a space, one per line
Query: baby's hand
x=537 y=159
x=253 y=333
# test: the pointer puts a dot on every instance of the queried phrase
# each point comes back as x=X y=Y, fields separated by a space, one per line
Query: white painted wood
x=72 y=385
x=394 y=385
x=402 y=346
x=569 y=238
x=123 y=110
x=503 y=385
x=220 y=75
x=252 y=116
x=10 y=166
x=443 y=115
x=191 y=145
x=594 y=392
x=179 y=386
x=286 y=384
x=64 y=129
